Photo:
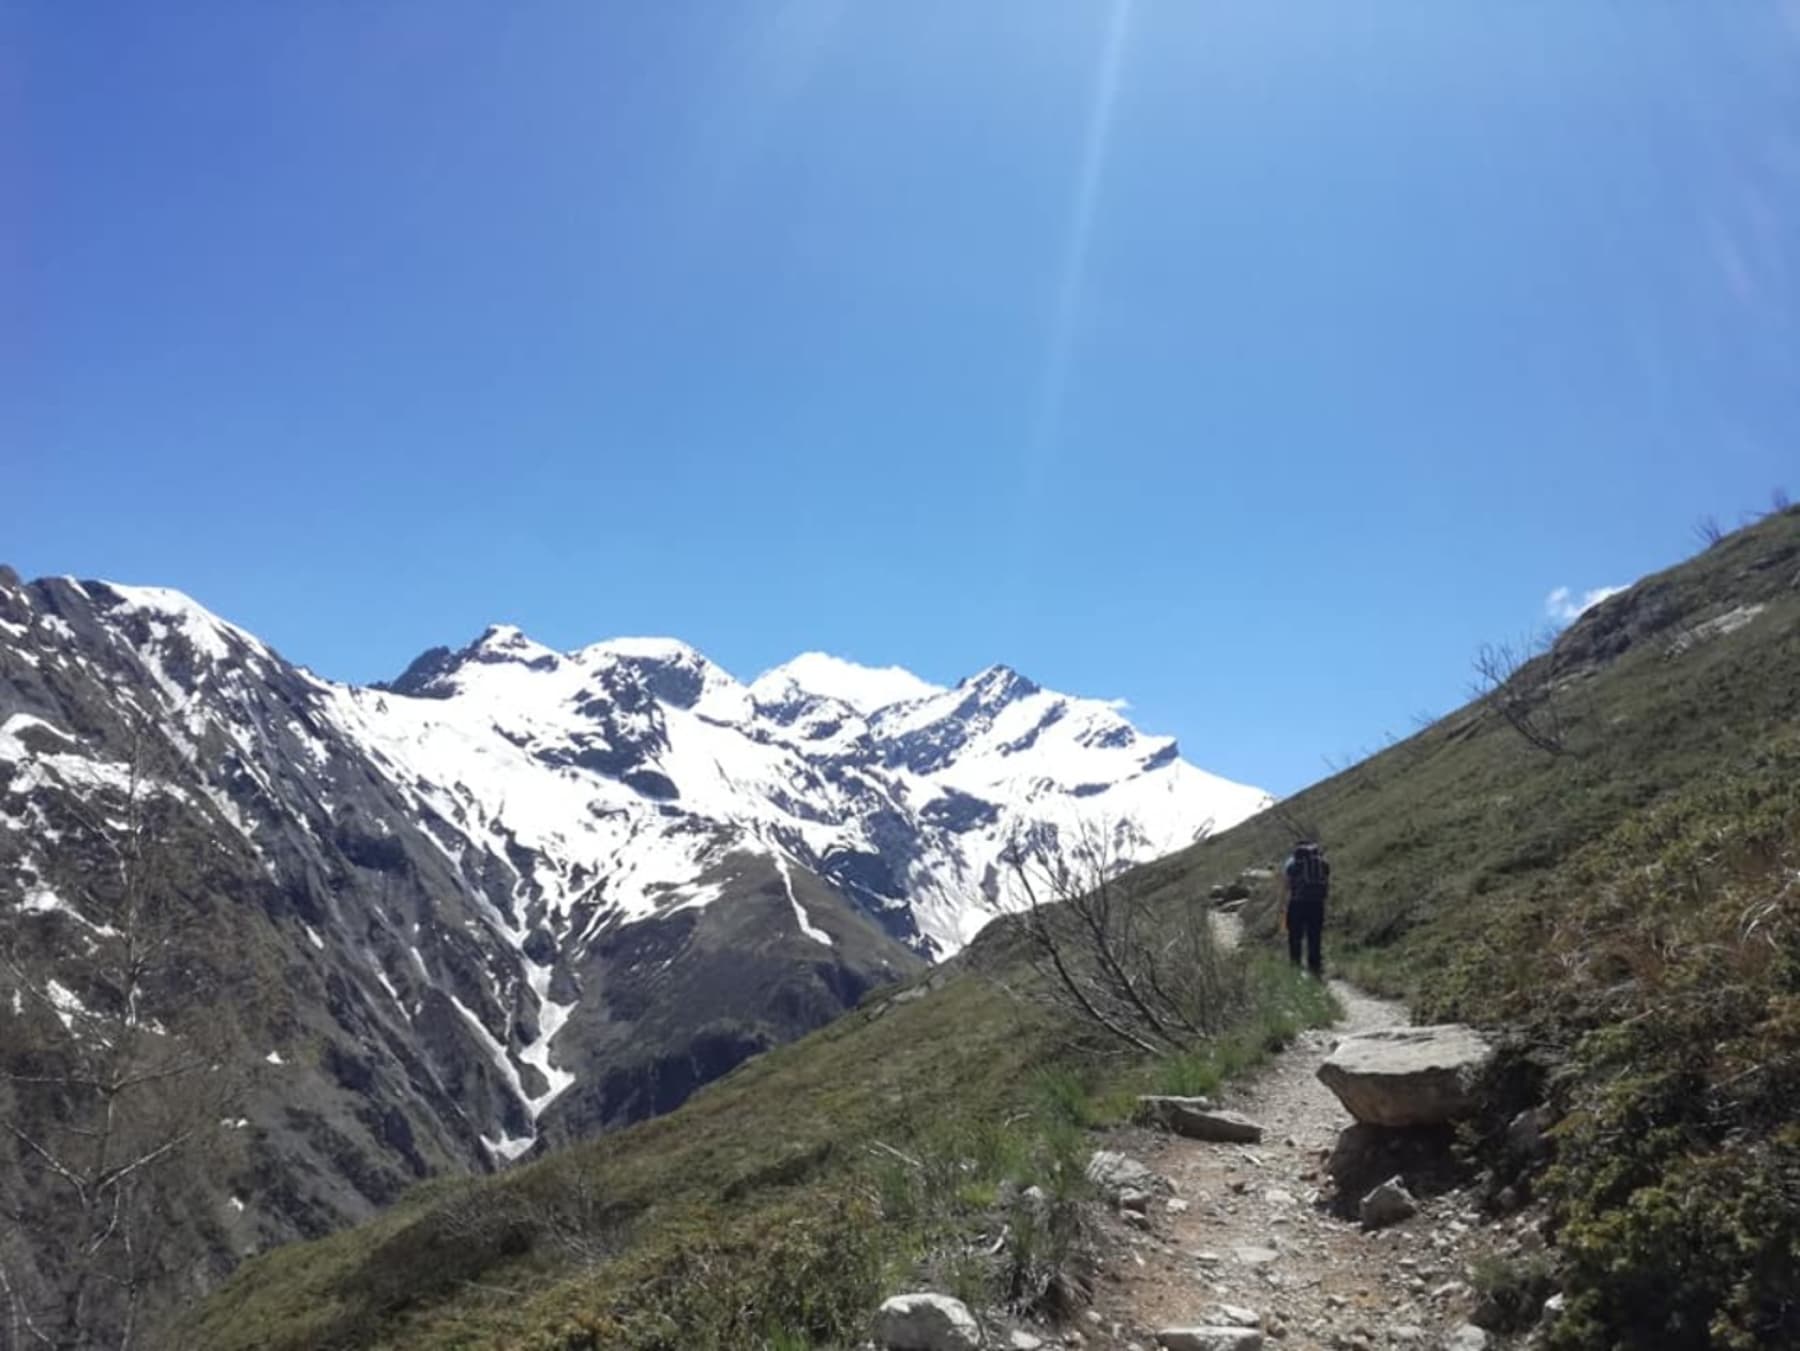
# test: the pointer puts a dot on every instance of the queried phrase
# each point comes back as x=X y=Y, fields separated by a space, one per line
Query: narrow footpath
x=1244 y=1241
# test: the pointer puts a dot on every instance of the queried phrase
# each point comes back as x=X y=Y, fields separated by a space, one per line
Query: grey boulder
x=1115 y=1174
x=1408 y=1076
x=926 y=1322
x=1198 y=1119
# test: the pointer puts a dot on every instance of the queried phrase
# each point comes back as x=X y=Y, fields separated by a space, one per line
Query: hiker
x=1309 y=881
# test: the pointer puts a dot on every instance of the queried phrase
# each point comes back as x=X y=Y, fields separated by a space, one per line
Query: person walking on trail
x=1309 y=882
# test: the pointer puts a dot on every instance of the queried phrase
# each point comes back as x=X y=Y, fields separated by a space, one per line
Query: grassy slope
x=729 y=1152
x=1481 y=877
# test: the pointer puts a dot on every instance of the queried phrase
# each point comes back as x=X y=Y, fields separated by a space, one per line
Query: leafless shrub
x=1299 y=827
x=1150 y=974
x=105 y=1100
x=1524 y=684
x=1708 y=531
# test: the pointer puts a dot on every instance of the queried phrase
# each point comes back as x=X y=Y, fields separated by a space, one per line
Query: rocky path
x=1243 y=1241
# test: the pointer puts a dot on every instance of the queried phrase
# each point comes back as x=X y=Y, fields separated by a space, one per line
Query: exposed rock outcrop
x=1408 y=1076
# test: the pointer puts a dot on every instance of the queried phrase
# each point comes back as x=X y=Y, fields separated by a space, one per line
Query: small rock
x=1115 y=1173
x=1132 y=1199
x=1210 y=1339
x=926 y=1322
x=1207 y=1258
x=1093 y=1317
x=1405 y=1334
x=1175 y=1205
x=1468 y=1337
x=1525 y=1133
x=1252 y=1255
x=1153 y=1108
x=1020 y=1340
x=1387 y=1204
x=1234 y=1316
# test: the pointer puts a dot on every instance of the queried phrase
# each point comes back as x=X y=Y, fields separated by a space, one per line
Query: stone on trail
x=1115 y=1174
x=1468 y=1337
x=1407 y=1076
x=1233 y=1316
x=926 y=1322
x=1198 y=1119
x=1253 y=1256
x=1210 y=1339
x=1020 y=1340
x=1387 y=1204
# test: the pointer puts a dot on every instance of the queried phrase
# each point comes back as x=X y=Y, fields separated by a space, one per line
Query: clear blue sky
x=1251 y=362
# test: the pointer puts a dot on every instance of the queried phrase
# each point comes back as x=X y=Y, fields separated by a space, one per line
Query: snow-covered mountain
x=516 y=895
x=631 y=767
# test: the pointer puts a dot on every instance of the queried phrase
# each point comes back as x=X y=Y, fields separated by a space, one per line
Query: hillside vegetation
x=1624 y=903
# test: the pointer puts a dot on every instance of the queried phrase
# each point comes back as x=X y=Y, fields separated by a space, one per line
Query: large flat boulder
x=1408 y=1076
x=1198 y=1119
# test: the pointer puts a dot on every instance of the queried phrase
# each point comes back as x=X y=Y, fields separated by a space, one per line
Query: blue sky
x=1251 y=362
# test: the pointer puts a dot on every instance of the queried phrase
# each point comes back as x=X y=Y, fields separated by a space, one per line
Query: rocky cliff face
x=513 y=897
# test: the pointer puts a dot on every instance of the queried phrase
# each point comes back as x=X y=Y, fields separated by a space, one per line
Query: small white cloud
x=1565 y=607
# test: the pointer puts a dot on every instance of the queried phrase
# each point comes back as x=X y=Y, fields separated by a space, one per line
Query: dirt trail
x=1245 y=1229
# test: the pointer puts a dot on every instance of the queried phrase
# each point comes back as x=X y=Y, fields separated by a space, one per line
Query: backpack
x=1309 y=873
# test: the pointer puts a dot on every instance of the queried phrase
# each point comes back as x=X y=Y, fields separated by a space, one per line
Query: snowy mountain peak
x=866 y=689
x=999 y=684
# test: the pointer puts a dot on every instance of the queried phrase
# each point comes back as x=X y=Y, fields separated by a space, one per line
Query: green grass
x=1288 y=1003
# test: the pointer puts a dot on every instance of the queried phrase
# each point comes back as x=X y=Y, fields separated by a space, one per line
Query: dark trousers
x=1306 y=924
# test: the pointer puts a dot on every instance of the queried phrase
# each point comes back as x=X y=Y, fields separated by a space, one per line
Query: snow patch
x=867 y=689
x=551 y=1018
x=509 y=1147
x=68 y=1007
x=807 y=927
